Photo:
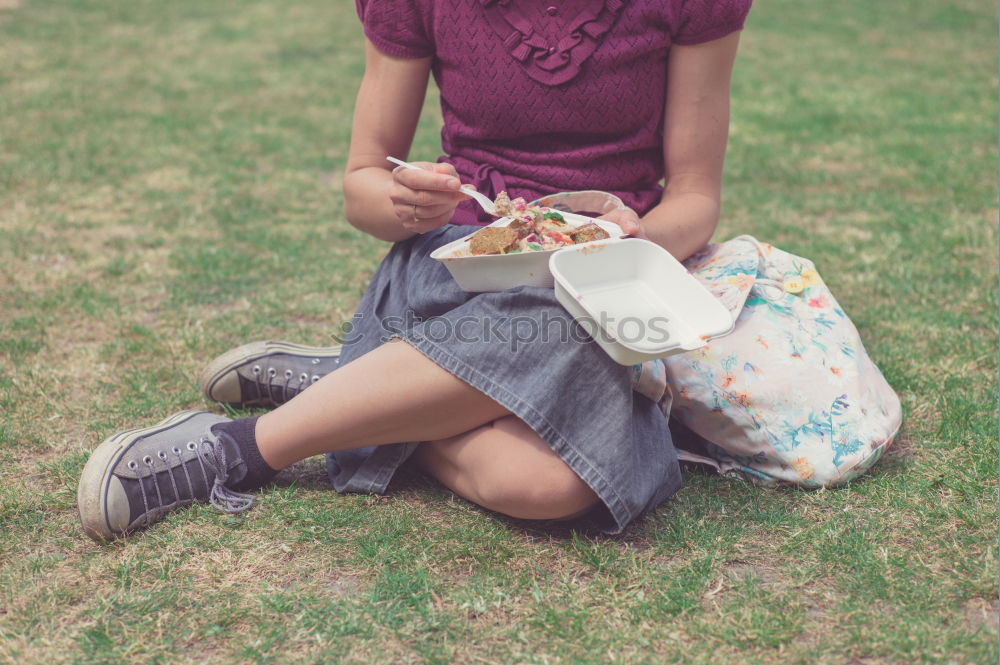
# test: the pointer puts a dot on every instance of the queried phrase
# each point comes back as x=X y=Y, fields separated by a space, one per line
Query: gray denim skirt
x=525 y=351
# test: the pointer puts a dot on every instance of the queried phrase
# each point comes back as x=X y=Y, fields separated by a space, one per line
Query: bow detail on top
x=544 y=61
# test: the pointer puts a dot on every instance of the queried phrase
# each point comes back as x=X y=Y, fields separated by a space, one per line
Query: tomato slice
x=560 y=238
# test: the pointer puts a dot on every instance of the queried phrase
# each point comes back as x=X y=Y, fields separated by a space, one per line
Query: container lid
x=639 y=296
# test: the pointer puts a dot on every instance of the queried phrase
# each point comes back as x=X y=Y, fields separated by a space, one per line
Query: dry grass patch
x=982 y=614
x=173 y=189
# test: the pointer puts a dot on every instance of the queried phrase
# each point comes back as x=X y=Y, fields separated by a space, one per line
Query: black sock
x=242 y=433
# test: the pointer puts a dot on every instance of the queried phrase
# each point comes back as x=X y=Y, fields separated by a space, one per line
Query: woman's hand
x=629 y=220
x=426 y=199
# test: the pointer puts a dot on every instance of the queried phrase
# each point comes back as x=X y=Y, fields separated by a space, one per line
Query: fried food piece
x=502 y=205
x=505 y=207
x=521 y=227
x=493 y=240
x=588 y=232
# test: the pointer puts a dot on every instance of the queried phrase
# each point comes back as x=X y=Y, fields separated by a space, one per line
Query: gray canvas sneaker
x=135 y=477
x=266 y=374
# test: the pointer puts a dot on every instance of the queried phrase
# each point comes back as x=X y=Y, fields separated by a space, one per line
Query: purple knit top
x=550 y=96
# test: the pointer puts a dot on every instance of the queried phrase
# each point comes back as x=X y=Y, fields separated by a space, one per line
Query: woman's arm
x=378 y=200
x=695 y=131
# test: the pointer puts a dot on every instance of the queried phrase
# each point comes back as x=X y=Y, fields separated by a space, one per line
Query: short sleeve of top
x=698 y=21
x=397 y=27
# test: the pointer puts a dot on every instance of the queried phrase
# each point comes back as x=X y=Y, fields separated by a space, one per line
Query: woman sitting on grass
x=537 y=98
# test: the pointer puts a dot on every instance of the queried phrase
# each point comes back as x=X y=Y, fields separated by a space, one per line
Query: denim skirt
x=525 y=351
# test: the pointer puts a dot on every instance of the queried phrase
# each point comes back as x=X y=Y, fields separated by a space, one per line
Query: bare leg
x=393 y=393
x=473 y=446
x=506 y=467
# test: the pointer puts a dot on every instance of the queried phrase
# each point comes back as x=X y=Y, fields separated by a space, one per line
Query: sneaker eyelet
x=175 y=450
x=288 y=373
x=132 y=464
x=315 y=361
x=147 y=460
x=191 y=445
x=256 y=370
x=162 y=455
x=271 y=372
x=315 y=378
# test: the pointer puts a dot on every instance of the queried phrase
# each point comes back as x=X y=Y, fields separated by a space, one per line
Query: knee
x=552 y=492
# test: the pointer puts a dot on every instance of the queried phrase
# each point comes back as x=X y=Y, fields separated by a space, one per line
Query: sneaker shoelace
x=264 y=380
x=211 y=453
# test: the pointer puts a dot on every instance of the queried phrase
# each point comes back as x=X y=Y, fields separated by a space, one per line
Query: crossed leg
x=506 y=467
x=473 y=445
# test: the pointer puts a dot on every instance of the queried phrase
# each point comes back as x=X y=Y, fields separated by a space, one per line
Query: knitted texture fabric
x=542 y=97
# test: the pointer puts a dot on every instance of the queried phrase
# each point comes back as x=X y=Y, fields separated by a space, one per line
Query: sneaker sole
x=91 y=505
x=241 y=355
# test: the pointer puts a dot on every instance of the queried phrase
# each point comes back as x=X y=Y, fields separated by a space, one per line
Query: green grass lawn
x=170 y=187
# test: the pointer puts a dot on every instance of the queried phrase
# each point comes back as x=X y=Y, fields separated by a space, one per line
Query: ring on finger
x=415 y=218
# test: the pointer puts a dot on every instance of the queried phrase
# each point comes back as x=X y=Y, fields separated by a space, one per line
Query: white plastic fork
x=484 y=201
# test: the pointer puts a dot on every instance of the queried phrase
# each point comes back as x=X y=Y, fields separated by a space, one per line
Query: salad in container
x=515 y=249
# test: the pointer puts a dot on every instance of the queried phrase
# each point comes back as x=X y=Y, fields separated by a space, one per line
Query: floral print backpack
x=790 y=396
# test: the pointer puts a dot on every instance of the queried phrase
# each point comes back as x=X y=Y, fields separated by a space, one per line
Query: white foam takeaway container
x=497 y=272
x=635 y=299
